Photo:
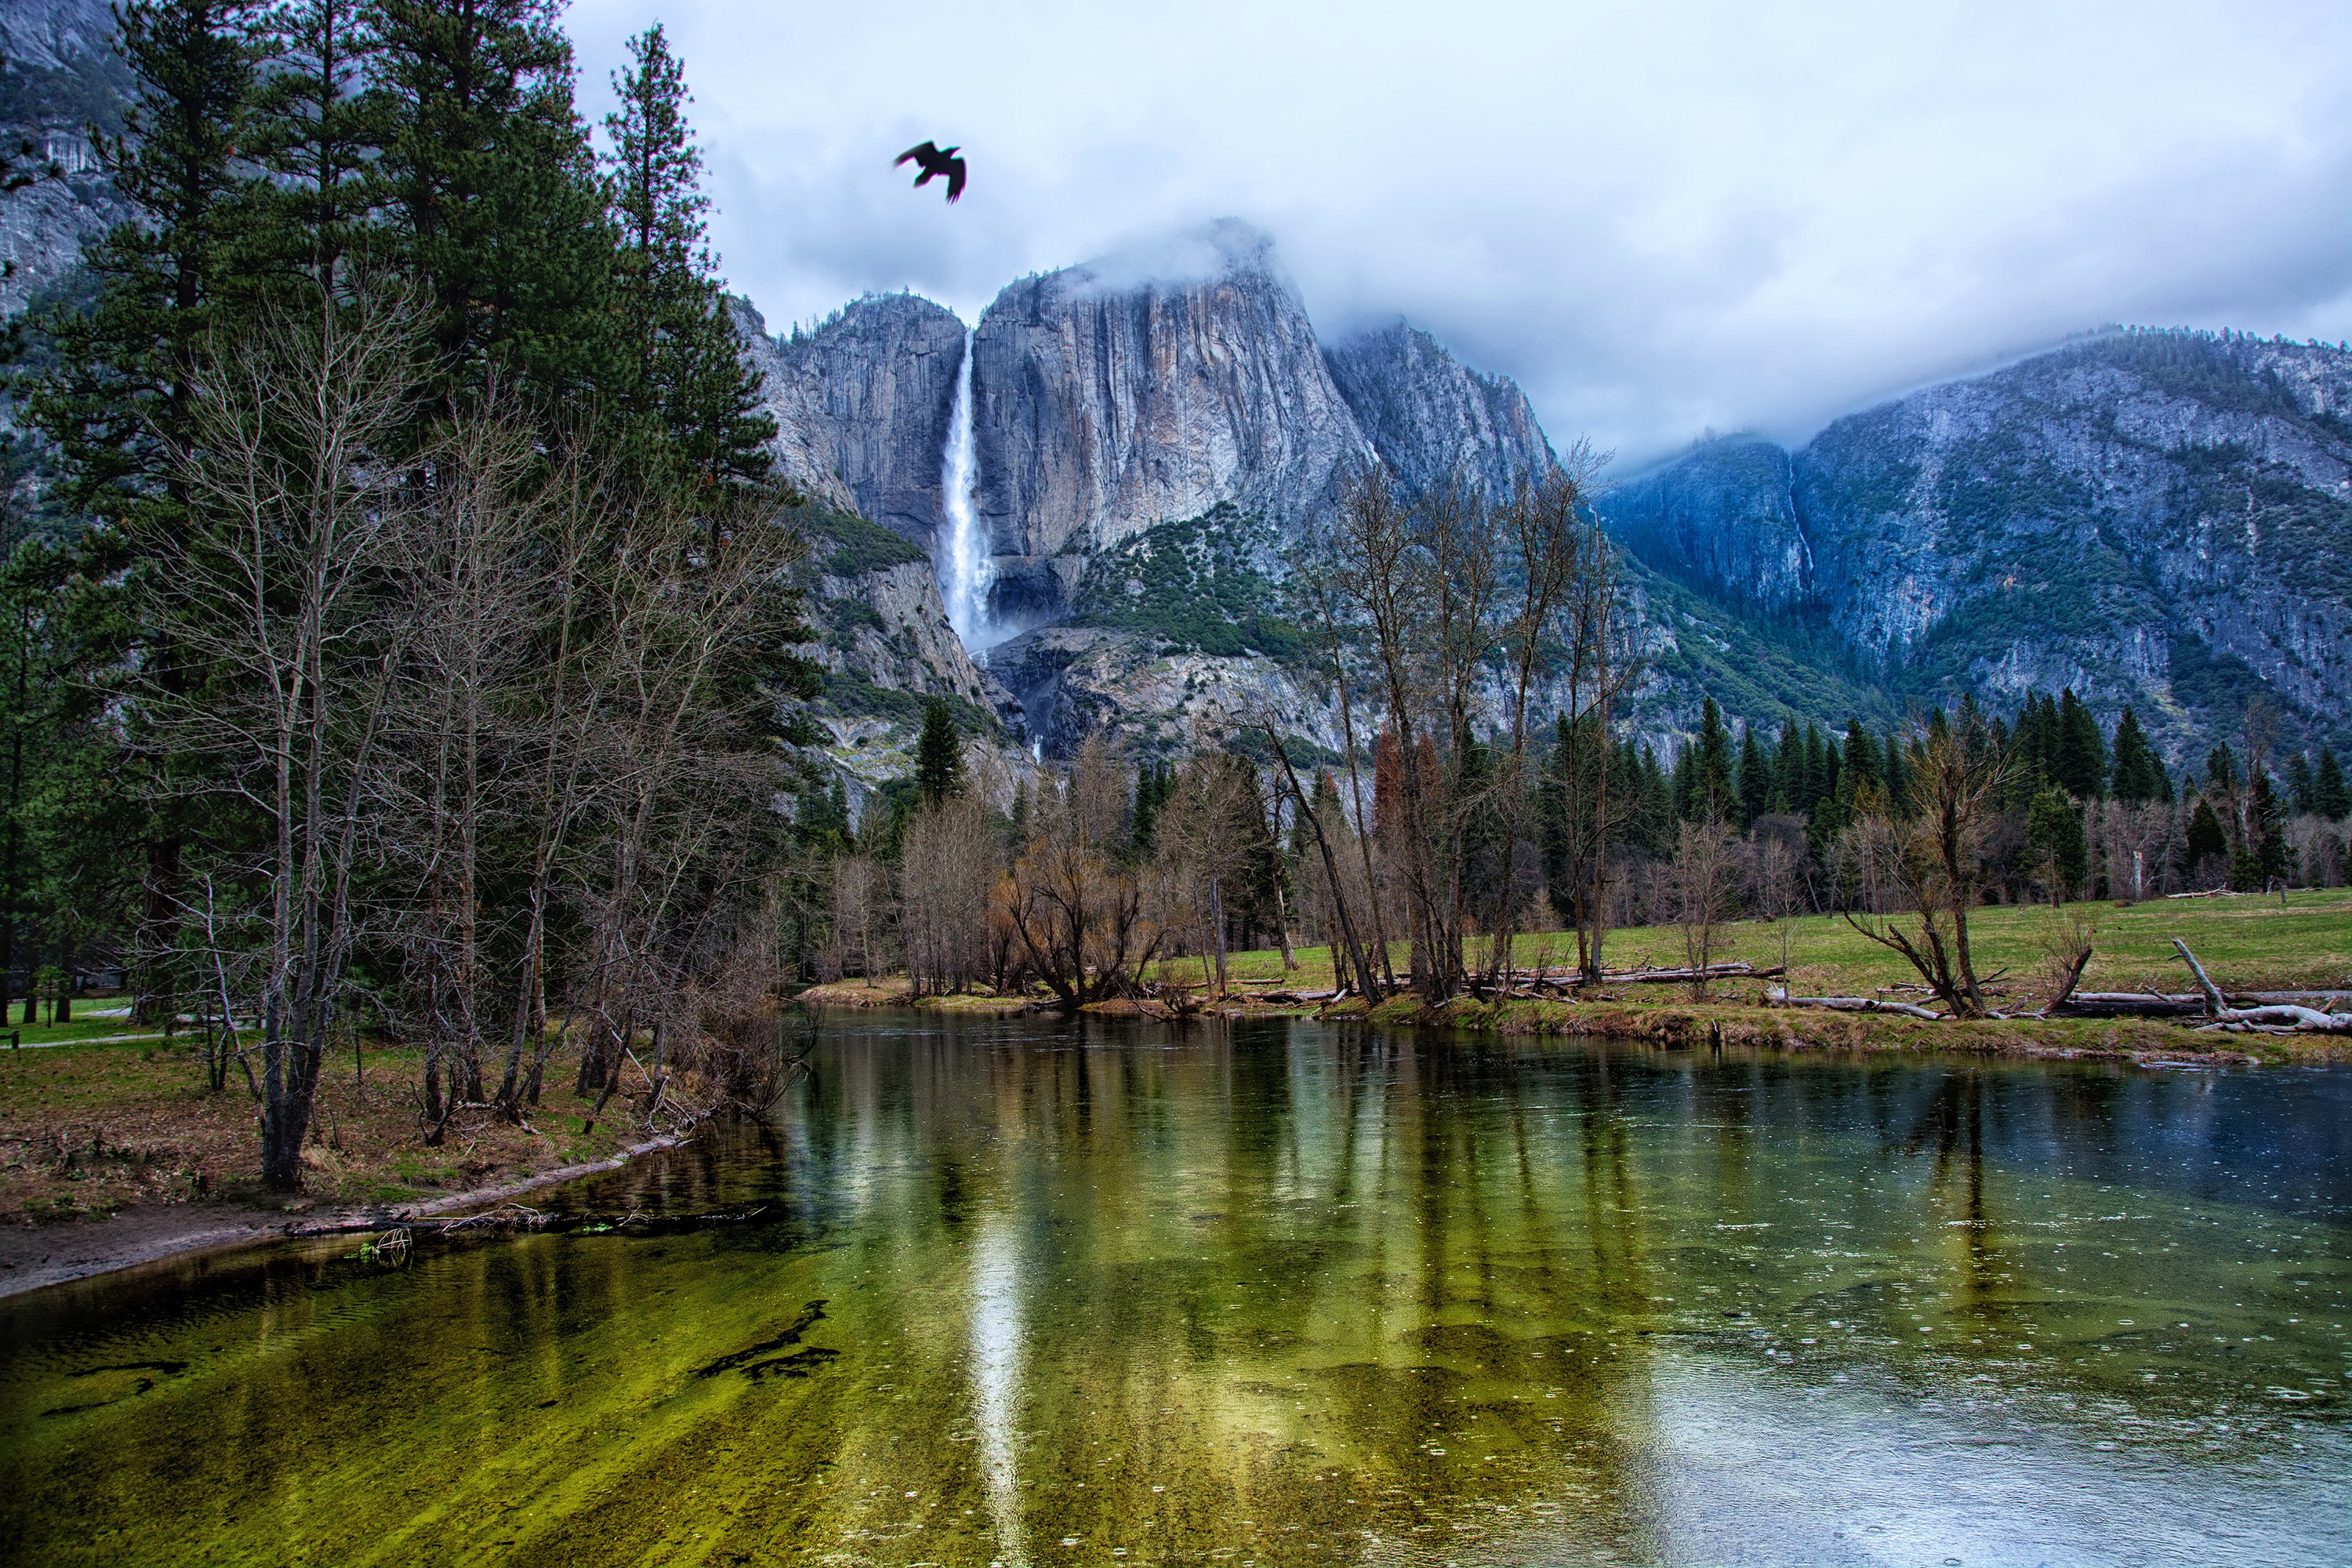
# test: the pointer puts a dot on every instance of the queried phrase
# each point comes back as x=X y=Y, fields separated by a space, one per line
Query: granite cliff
x=1428 y=415
x=58 y=76
x=1143 y=389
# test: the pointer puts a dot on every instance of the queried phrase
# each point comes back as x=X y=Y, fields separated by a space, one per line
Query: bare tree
x=861 y=913
x=1702 y=885
x=1541 y=527
x=463 y=571
x=1929 y=852
x=1077 y=908
x=947 y=873
x=1774 y=870
x=291 y=508
x=686 y=768
x=1201 y=847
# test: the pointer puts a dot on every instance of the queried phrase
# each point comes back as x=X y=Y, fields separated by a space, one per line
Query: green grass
x=81 y=1028
x=2249 y=941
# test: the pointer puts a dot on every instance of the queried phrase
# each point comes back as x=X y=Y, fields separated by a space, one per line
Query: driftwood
x=1780 y=998
x=2283 y=1016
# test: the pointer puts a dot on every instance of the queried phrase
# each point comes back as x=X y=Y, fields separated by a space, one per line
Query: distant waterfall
x=966 y=569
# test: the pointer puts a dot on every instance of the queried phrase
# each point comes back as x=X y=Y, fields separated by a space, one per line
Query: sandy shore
x=33 y=1255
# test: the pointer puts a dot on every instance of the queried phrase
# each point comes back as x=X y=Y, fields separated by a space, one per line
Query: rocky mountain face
x=1142 y=389
x=2151 y=518
x=1429 y=415
x=861 y=406
x=1133 y=417
x=58 y=76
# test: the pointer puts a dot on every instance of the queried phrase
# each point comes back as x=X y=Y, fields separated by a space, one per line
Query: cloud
x=1657 y=217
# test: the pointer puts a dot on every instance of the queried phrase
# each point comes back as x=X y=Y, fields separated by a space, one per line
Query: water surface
x=1033 y=1292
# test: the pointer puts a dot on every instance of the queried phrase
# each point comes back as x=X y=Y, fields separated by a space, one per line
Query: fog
x=1660 y=218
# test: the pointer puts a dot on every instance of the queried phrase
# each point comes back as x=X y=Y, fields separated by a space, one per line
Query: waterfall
x=966 y=569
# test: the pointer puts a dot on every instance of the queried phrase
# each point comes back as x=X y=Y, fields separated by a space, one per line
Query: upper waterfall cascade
x=966 y=568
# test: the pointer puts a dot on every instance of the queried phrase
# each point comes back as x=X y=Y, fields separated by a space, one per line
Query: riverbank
x=1717 y=1024
x=2248 y=942
x=36 y=1254
x=112 y=1154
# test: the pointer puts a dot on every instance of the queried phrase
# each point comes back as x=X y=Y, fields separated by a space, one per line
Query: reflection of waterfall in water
x=996 y=1378
x=966 y=571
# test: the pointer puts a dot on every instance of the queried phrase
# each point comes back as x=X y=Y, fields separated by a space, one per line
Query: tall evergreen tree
x=491 y=186
x=2329 y=798
x=1894 y=776
x=316 y=131
x=2078 y=757
x=691 y=381
x=1708 y=792
x=2054 y=839
x=116 y=399
x=1789 y=770
x=938 y=754
x=2204 y=840
x=1756 y=789
x=2140 y=776
x=1861 y=763
x=2298 y=782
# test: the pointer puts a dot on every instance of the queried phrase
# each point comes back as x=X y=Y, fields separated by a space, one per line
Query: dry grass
x=86 y=1129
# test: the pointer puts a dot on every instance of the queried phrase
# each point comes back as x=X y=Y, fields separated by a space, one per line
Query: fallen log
x=1780 y=998
x=1739 y=971
x=2281 y=1015
x=2125 y=1005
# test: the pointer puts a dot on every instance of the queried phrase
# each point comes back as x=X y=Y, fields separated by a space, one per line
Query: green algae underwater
x=1031 y=1292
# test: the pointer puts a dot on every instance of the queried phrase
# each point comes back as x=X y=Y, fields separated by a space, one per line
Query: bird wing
x=926 y=151
x=955 y=178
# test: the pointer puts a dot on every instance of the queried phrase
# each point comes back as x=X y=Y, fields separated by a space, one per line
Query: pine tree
x=489 y=184
x=317 y=133
x=2140 y=776
x=2329 y=798
x=1861 y=766
x=2079 y=757
x=2265 y=833
x=1894 y=776
x=2205 y=839
x=2054 y=839
x=118 y=401
x=2298 y=782
x=1756 y=789
x=939 y=754
x=692 y=382
x=1706 y=793
x=1789 y=770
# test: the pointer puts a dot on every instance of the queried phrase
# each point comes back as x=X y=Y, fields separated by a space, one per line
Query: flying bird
x=935 y=161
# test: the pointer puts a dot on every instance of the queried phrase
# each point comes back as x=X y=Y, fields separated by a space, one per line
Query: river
x=1039 y=1292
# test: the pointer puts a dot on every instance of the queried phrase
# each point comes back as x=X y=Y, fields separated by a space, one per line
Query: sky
x=1661 y=219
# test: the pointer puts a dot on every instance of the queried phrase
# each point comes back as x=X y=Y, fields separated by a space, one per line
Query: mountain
x=1427 y=414
x=2152 y=518
x=861 y=405
x=1149 y=429
x=1145 y=388
x=58 y=76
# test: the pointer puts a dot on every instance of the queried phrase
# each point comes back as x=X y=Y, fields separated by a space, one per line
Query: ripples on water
x=1039 y=1293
